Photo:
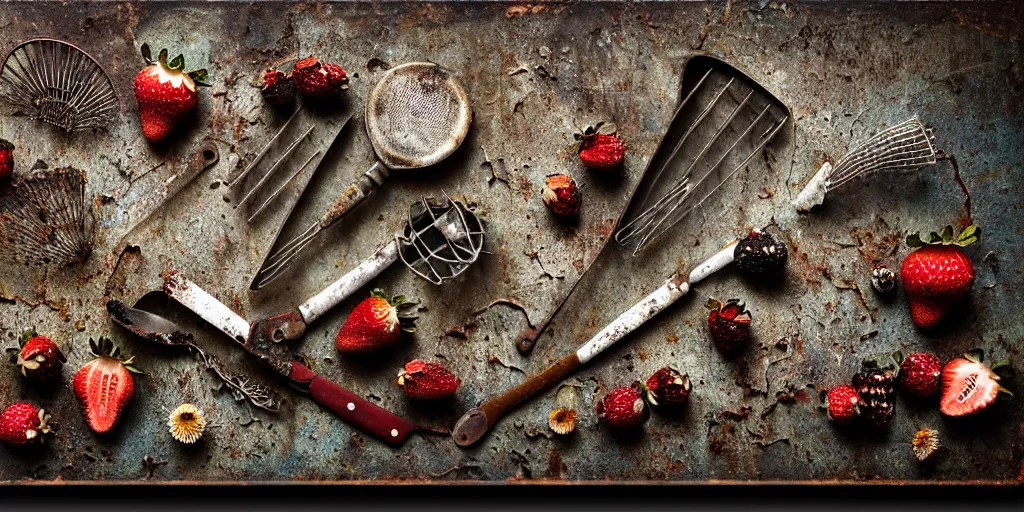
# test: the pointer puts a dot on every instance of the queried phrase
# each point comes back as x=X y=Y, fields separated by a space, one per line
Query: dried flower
x=925 y=443
x=562 y=420
x=883 y=279
x=187 y=423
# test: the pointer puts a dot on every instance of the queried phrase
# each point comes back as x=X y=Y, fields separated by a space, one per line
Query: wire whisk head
x=441 y=239
x=58 y=83
x=44 y=219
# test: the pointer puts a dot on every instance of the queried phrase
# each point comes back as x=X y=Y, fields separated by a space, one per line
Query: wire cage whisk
x=440 y=239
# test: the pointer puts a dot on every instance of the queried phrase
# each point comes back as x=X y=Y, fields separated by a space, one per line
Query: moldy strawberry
x=667 y=388
x=938 y=273
x=760 y=253
x=319 y=80
x=278 y=88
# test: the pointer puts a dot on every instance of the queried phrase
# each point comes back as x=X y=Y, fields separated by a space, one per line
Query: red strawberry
x=319 y=80
x=376 y=322
x=6 y=161
x=937 y=274
x=667 y=387
x=729 y=324
x=22 y=423
x=427 y=381
x=843 y=404
x=165 y=93
x=40 y=359
x=919 y=374
x=623 y=408
x=968 y=385
x=104 y=385
x=561 y=196
x=278 y=88
x=600 y=149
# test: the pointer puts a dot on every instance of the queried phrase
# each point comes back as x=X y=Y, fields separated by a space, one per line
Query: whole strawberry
x=729 y=324
x=561 y=196
x=319 y=80
x=600 y=149
x=919 y=374
x=22 y=423
x=104 y=386
x=424 y=380
x=877 y=392
x=278 y=88
x=760 y=253
x=376 y=322
x=6 y=161
x=40 y=358
x=667 y=388
x=937 y=274
x=165 y=93
x=969 y=385
x=623 y=408
x=843 y=404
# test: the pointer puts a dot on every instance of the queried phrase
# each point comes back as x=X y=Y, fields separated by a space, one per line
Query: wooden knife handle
x=499 y=405
x=354 y=410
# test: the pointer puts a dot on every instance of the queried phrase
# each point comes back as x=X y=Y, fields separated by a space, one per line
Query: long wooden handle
x=499 y=405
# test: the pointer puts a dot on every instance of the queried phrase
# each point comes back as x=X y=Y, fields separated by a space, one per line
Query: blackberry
x=877 y=390
x=760 y=253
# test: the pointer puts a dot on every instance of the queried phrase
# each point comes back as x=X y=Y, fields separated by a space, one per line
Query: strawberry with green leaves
x=166 y=94
x=40 y=358
x=105 y=385
x=375 y=323
x=938 y=274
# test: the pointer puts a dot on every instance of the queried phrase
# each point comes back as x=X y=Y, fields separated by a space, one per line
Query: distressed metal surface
x=534 y=73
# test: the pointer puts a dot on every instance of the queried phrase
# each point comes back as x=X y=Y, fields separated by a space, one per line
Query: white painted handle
x=190 y=295
x=814 y=193
x=633 y=318
x=347 y=285
x=715 y=263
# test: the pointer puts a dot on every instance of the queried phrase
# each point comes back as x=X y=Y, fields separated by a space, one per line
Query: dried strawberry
x=729 y=324
x=319 y=80
x=600 y=149
x=561 y=196
x=667 y=388
x=623 y=408
x=278 y=88
x=424 y=380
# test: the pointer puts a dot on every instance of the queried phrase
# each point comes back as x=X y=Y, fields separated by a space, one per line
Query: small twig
x=149 y=463
x=457 y=467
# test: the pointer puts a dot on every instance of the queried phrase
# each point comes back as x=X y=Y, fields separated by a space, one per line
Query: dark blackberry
x=760 y=253
x=877 y=390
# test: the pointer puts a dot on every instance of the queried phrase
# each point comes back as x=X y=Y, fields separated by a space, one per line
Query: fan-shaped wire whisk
x=441 y=240
x=904 y=147
x=44 y=219
x=60 y=84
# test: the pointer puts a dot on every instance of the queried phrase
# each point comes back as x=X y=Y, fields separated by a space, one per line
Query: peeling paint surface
x=536 y=74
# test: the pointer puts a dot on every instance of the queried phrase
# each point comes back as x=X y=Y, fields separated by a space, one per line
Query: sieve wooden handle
x=355 y=193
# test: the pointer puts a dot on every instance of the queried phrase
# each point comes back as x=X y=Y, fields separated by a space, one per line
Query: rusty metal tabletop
x=536 y=72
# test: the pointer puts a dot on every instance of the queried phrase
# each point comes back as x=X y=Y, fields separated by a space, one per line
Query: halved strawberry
x=968 y=385
x=104 y=385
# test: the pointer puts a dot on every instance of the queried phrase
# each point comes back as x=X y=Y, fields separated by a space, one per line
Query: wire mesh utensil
x=723 y=122
x=44 y=219
x=57 y=82
x=906 y=146
x=416 y=116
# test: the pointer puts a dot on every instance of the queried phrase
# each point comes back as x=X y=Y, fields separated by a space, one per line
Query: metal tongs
x=351 y=408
